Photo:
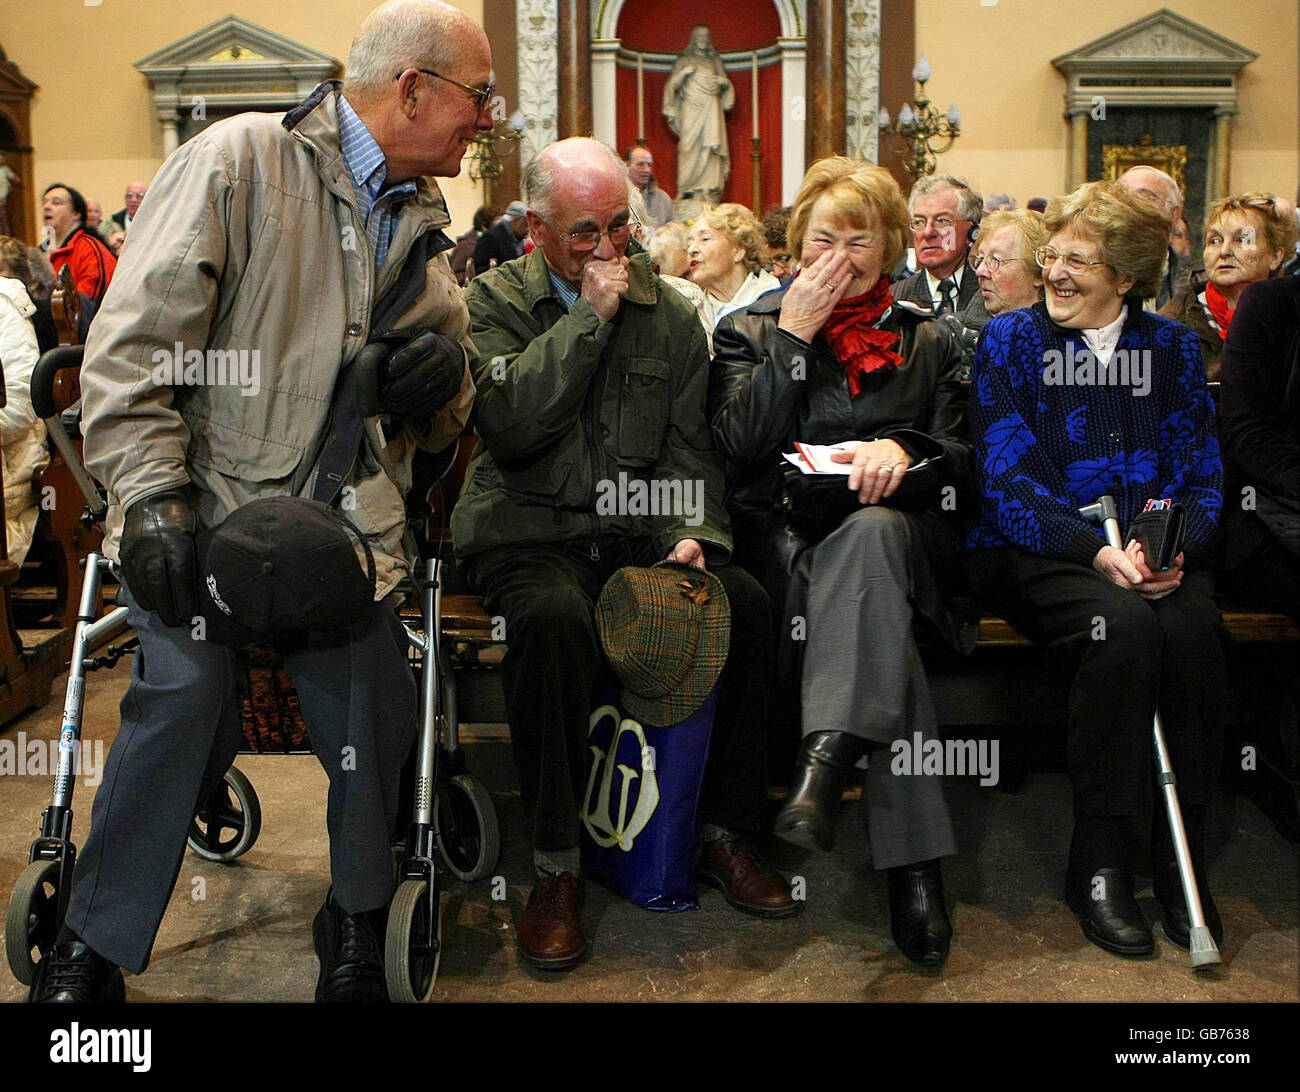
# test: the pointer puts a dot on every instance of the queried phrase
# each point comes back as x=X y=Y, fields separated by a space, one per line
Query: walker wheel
x=412 y=948
x=32 y=923
x=469 y=835
x=227 y=824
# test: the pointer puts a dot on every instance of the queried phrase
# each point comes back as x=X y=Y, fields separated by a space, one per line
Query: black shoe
x=1177 y=922
x=350 y=949
x=809 y=814
x=71 y=971
x=917 y=917
x=1108 y=911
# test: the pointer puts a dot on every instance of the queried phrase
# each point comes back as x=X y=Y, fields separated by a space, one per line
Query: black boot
x=918 y=919
x=1168 y=885
x=810 y=813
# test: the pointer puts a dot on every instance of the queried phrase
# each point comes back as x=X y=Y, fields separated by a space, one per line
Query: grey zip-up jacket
x=250 y=257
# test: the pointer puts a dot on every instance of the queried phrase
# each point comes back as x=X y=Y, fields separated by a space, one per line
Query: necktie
x=947 y=297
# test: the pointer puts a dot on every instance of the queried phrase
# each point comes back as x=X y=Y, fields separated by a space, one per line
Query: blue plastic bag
x=642 y=797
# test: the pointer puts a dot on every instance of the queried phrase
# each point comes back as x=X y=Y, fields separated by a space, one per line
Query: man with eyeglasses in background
x=124 y=217
x=946 y=213
x=591 y=368
x=1157 y=188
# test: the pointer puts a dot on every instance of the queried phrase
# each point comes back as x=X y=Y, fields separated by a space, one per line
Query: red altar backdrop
x=664 y=26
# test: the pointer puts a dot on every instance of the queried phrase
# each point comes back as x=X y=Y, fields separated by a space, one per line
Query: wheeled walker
x=452 y=811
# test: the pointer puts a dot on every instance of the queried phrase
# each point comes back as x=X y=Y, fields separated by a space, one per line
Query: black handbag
x=815 y=504
x=1160 y=532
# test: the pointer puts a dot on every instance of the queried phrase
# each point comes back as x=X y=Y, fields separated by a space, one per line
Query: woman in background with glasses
x=1003 y=259
x=1082 y=395
x=1247 y=239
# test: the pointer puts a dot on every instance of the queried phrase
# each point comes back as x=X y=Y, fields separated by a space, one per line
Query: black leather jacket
x=769 y=388
x=761 y=401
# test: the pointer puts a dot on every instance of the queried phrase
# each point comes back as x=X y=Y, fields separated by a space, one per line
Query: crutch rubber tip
x=1204 y=951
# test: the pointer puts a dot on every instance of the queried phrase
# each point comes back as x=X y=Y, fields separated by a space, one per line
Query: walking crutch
x=1204 y=952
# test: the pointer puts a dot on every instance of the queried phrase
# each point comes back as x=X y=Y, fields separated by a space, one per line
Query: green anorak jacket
x=588 y=430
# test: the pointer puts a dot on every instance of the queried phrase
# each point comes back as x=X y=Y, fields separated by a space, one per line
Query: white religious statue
x=695 y=100
x=7 y=179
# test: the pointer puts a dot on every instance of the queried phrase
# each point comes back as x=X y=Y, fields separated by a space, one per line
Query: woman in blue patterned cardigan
x=1081 y=395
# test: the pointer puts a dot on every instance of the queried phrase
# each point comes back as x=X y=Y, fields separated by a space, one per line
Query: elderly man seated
x=591 y=371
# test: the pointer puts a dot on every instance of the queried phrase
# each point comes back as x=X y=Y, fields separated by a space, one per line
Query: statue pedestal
x=686 y=209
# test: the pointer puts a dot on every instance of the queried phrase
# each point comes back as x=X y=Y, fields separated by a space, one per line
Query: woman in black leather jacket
x=831 y=359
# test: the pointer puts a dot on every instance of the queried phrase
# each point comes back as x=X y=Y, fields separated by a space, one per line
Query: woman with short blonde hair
x=725 y=250
x=832 y=359
x=1248 y=238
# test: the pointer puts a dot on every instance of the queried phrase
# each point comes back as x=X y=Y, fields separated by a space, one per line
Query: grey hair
x=1175 y=198
x=399 y=35
x=969 y=203
x=539 y=181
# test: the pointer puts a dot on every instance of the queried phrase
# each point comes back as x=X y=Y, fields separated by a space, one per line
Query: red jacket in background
x=91 y=261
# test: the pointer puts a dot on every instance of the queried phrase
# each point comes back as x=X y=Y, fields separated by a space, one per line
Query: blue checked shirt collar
x=567 y=292
x=368 y=171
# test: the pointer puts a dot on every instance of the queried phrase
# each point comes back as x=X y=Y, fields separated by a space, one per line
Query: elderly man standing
x=641 y=169
x=302 y=237
x=589 y=368
x=1159 y=189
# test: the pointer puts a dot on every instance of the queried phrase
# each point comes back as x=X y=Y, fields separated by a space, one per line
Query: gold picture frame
x=1170 y=158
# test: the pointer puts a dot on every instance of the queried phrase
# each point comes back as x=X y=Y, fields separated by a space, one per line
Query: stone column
x=1221 y=155
x=1076 y=164
x=826 y=91
x=575 y=68
x=170 y=129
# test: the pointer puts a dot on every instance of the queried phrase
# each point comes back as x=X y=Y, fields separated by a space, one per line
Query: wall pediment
x=233 y=54
x=1163 y=39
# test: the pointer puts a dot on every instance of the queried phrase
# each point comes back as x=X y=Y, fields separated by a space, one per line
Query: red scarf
x=857 y=345
x=1220 y=309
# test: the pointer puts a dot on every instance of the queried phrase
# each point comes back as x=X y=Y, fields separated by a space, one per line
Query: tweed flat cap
x=666 y=631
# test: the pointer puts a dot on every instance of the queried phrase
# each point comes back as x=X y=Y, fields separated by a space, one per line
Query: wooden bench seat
x=463 y=617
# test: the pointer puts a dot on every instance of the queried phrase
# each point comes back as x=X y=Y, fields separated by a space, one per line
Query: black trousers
x=1134 y=655
x=547 y=595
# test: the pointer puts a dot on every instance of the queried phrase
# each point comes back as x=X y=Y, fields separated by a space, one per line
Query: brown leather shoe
x=550 y=936
x=746 y=881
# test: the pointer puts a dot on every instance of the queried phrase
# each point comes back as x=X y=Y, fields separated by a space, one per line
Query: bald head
x=577 y=185
x=135 y=192
x=1156 y=187
x=404 y=34
x=576 y=164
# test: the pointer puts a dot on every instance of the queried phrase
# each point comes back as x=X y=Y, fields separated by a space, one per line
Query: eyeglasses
x=941 y=223
x=482 y=95
x=583 y=241
x=991 y=260
x=1046 y=257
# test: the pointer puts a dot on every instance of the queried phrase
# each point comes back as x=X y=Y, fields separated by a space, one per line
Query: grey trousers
x=179 y=733
x=862 y=674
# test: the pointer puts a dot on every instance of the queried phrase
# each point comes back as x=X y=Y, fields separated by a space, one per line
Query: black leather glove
x=421 y=377
x=157 y=554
